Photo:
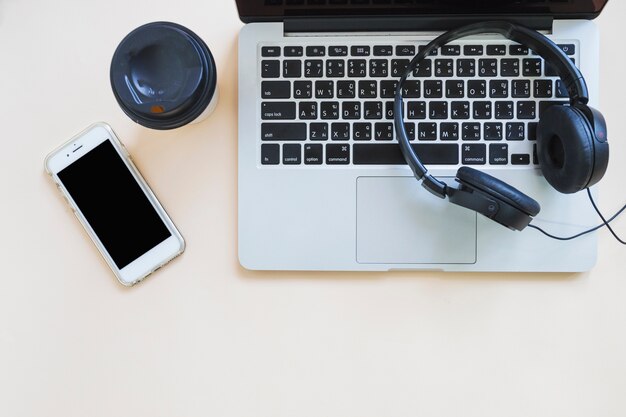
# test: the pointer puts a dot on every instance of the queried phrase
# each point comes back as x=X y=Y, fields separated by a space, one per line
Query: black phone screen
x=114 y=204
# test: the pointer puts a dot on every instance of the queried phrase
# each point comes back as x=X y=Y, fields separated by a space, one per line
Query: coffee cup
x=163 y=76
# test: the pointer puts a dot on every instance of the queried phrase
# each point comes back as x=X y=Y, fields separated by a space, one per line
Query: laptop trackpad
x=399 y=222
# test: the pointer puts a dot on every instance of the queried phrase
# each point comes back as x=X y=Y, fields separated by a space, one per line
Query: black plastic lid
x=163 y=75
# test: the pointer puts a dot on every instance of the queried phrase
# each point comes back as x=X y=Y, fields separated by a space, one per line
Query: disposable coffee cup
x=163 y=76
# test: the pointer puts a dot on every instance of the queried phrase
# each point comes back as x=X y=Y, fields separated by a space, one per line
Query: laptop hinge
x=406 y=24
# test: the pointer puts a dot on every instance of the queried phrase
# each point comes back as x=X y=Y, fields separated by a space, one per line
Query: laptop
x=322 y=183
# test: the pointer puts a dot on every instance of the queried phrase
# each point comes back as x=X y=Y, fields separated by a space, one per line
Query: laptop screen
x=276 y=10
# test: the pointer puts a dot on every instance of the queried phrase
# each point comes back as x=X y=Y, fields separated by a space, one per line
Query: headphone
x=572 y=145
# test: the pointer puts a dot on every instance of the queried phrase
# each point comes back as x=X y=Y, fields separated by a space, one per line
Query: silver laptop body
x=328 y=204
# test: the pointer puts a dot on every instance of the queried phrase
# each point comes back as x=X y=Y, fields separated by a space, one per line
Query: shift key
x=283 y=131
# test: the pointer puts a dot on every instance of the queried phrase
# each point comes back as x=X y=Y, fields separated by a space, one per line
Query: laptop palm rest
x=399 y=222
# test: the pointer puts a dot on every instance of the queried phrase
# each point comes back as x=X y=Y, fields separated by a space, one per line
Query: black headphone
x=571 y=140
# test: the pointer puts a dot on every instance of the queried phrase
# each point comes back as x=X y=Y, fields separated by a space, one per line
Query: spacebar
x=390 y=154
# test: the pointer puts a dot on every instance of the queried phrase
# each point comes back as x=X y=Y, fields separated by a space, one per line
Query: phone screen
x=115 y=206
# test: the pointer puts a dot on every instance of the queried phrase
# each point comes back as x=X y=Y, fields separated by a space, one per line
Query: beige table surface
x=204 y=337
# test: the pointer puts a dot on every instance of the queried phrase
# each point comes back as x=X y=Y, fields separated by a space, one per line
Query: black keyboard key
x=515 y=131
x=473 y=50
x=411 y=89
x=302 y=89
x=451 y=50
x=498 y=88
x=270 y=51
x=270 y=154
x=405 y=50
x=313 y=154
x=433 y=89
x=338 y=51
x=569 y=49
x=438 y=110
x=270 y=69
x=324 y=89
x=535 y=155
x=315 y=50
x=427 y=131
x=482 y=110
x=424 y=69
x=346 y=89
x=357 y=68
x=476 y=89
x=360 y=51
x=293 y=51
x=493 y=131
x=561 y=91
x=460 y=110
x=504 y=110
x=337 y=154
x=340 y=131
x=520 y=159
x=329 y=110
x=488 y=67
x=532 y=131
x=520 y=88
x=275 y=89
x=307 y=110
x=390 y=154
x=373 y=110
x=292 y=154
x=409 y=128
x=383 y=50
x=449 y=131
x=335 y=68
x=474 y=154
x=313 y=68
x=466 y=68
x=496 y=50
x=498 y=154
x=283 y=131
x=455 y=89
x=318 y=131
x=416 y=110
x=388 y=89
x=509 y=67
x=518 y=50
x=368 y=89
x=434 y=52
x=399 y=67
x=362 y=131
x=544 y=105
x=383 y=131
x=379 y=68
x=278 y=110
x=351 y=110
x=444 y=68
x=543 y=88
x=551 y=70
x=532 y=67
x=526 y=110
x=292 y=68
x=389 y=110
x=470 y=131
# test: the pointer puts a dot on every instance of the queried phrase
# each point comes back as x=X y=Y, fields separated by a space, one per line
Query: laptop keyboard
x=467 y=104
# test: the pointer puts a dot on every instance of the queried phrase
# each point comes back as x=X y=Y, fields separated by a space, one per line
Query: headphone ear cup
x=565 y=148
x=498 y=190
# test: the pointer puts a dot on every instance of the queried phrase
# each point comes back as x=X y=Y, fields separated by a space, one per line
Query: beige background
x=203 y=337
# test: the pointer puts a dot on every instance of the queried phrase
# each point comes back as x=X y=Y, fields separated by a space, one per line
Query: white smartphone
x=116 y=207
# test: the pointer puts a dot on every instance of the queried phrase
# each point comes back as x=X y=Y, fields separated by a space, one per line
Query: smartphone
x=124 y=219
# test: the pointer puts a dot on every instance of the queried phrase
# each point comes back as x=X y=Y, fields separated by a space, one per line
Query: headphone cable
x=593 y=229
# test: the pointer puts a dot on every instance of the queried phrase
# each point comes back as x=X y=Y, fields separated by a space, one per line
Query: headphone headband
x=570 y=75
